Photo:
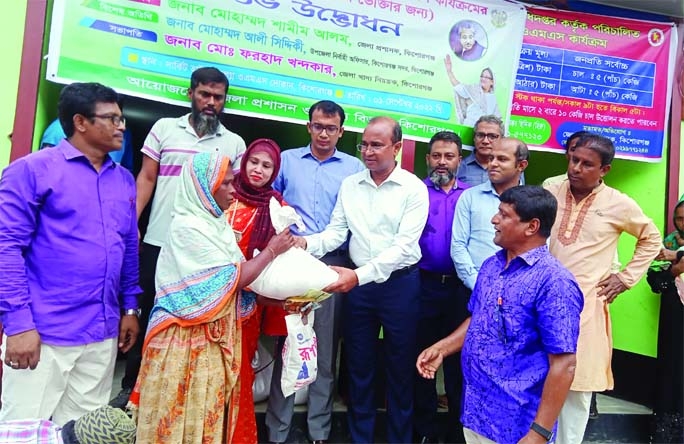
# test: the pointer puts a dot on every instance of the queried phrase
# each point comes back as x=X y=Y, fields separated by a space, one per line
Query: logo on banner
x=656 y=37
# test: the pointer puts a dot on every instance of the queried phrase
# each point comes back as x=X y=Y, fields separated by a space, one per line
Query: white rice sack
x=294 y=272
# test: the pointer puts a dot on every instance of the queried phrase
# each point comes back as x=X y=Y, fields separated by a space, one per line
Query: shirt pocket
x=514 y=322
x=120 y=213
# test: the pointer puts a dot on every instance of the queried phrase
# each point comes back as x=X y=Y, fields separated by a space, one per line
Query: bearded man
x=443 y=299
x=170 y=142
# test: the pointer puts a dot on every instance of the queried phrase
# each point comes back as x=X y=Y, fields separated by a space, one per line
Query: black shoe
x=426 y=440
x=120 y=400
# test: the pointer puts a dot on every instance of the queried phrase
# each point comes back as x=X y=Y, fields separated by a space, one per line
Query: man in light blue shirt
x=309 y=180
x=472 y=236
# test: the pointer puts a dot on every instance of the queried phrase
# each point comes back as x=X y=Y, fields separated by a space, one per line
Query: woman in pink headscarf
x=251 y=221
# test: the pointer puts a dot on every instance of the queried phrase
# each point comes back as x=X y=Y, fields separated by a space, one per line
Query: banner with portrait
x=431 y=64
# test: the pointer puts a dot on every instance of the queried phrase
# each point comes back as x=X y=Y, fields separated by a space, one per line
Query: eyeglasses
x=114 y=118
x=370 y=148
x=331 y=130
x=487 y=77
x=490 y=136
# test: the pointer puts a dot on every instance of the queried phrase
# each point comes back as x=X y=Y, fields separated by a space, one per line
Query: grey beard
x=441 y=179
x=205 y=124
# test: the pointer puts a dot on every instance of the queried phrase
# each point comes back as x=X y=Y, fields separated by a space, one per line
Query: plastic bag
x=294 y=272
x=262 y=364
x=300 y=362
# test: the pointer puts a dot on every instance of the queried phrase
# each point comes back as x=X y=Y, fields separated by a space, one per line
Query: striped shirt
x=170 y=142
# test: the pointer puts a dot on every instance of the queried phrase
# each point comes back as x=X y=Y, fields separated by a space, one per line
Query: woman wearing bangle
x=251 y=221
x=185 y=391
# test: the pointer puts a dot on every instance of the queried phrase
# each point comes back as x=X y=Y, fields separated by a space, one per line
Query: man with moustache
x=384 y=208
x=472 y=232
x=443 y=300
x=569 y=148
x=168 y=145
x=473 y=169
x=309 y=180
x=68 y=264
x=591 y=218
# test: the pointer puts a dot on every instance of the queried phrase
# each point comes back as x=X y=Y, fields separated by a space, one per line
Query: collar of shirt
x=184 y=122
x=471 y=159
x=487 y=187
x=70 y=152
x=597 y=189
x=306 y=152
x=530 y=257
x=457 y=185
x=397 y=176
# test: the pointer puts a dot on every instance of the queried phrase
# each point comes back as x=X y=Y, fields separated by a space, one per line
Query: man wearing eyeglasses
x=472 y=234
x=443 y=299
x=518 y=346
x=309 y=180
x=54 y=133
x=68 y=264
x=169 y=144
x=473 y=170
x=384 y=209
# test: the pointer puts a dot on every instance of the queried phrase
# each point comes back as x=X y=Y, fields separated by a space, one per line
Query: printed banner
x=430 y=64
x=606 y=75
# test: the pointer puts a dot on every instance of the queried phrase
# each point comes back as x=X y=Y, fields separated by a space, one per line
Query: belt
x=402 y=272
x=443 y=278
x=336 y=253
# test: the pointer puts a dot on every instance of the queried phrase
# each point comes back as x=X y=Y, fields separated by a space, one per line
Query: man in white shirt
x=385 y=209
x=169 y=144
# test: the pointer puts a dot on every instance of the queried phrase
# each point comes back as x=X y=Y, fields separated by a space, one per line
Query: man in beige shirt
x=591 y=217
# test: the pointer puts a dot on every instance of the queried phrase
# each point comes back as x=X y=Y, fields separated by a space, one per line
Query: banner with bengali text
x=430 y=64
x=605 y=75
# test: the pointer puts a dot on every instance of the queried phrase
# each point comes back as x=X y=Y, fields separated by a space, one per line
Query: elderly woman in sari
x=187 y=390
x=474 y=100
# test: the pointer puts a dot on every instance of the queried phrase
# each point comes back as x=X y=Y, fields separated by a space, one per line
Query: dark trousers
x=392 y=305
x=443 y=307
x=149 y=254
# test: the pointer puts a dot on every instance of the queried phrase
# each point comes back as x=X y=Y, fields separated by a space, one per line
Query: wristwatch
x=132 y=312
x=547 y=434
